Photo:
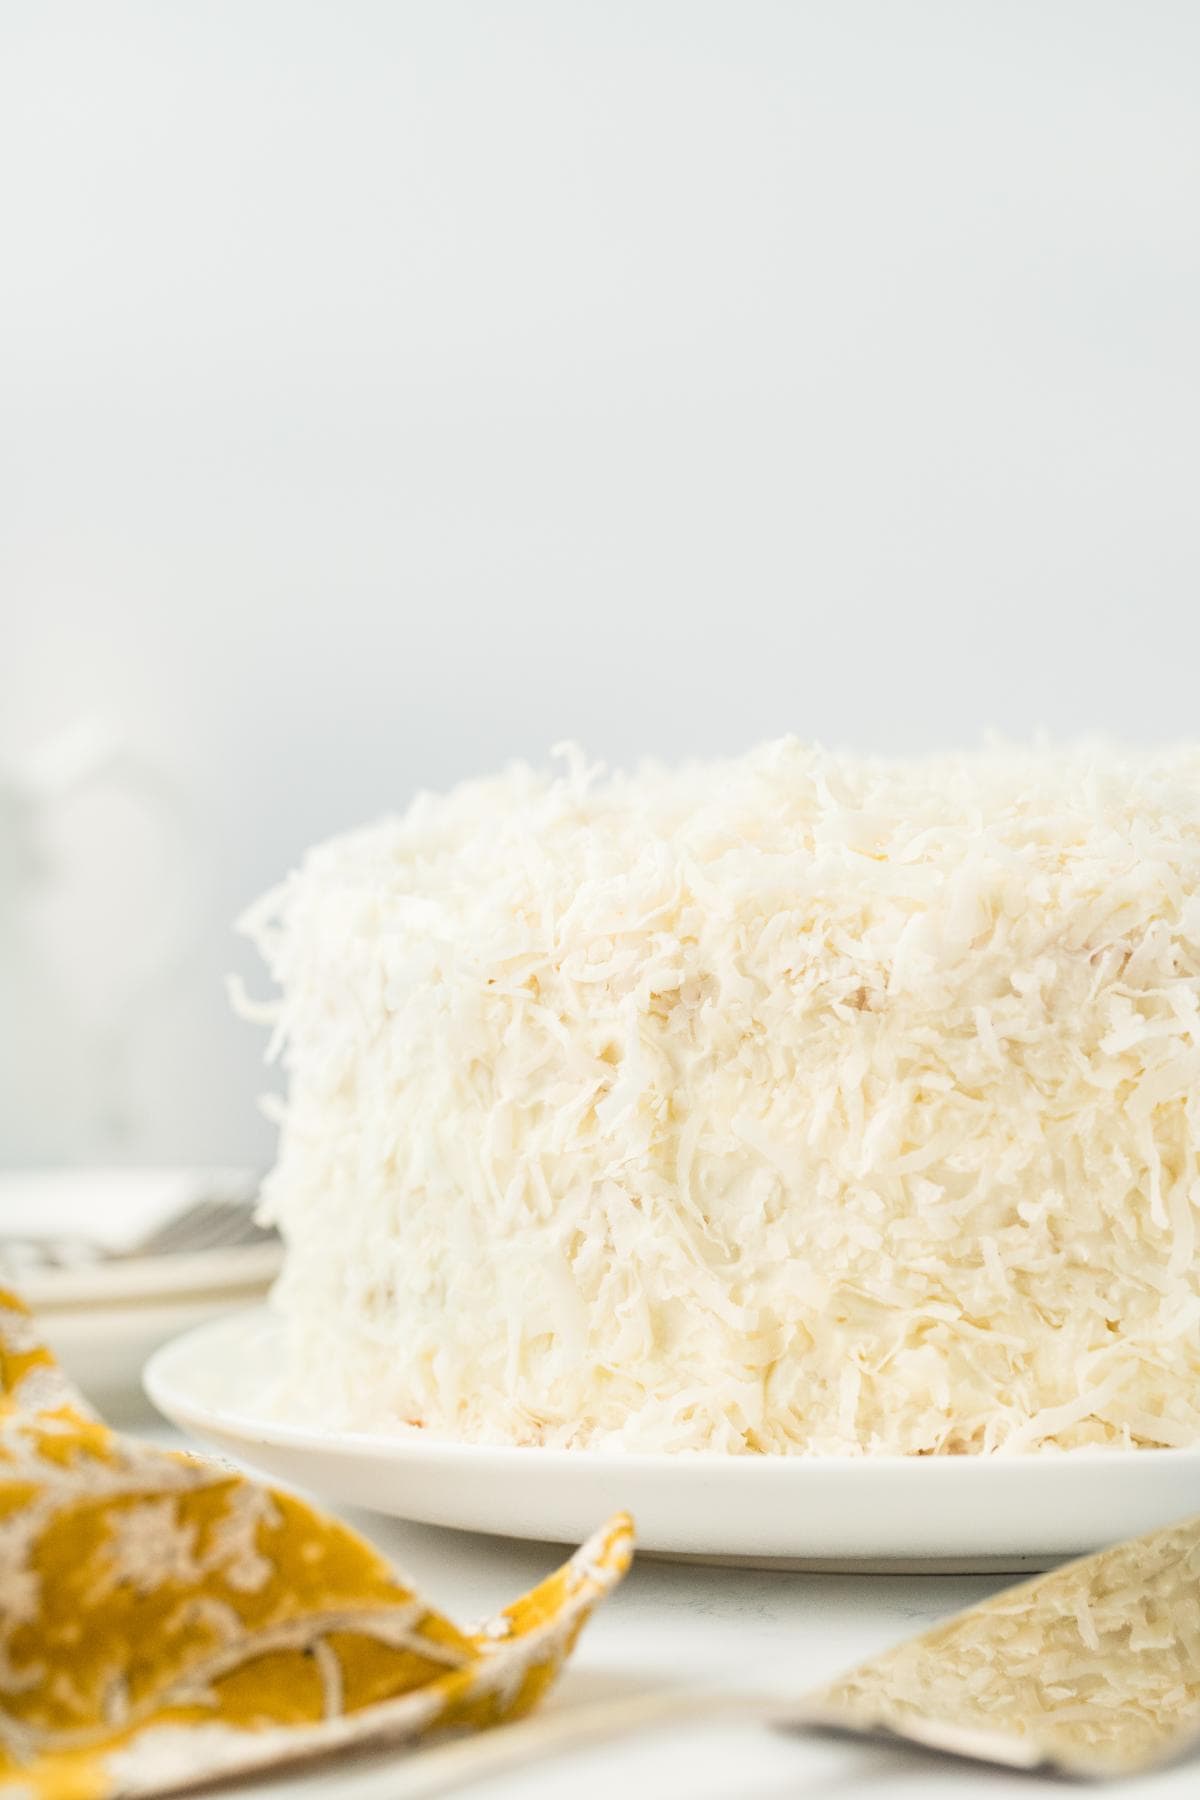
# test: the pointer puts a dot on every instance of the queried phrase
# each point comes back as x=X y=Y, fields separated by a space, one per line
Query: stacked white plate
x=69 y=1245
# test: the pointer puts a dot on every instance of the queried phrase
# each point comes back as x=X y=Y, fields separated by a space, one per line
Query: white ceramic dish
x=106 y=1313
x=104 y=1348
x=243 y=1269
x=103 y=1320
x=1009 y=1513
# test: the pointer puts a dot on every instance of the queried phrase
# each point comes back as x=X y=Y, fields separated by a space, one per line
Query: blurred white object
x=97 y=905
x=106 y=1311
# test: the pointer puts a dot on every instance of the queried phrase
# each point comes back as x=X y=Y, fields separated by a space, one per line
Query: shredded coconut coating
x=794 y=1103
x=1098 y=1663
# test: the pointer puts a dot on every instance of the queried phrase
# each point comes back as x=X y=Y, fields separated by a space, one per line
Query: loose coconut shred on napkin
x=164 y=1621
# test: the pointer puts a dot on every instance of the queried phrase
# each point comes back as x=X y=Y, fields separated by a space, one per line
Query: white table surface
x=671 y=1625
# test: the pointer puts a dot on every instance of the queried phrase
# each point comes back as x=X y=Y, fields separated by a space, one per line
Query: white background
x=392 y=389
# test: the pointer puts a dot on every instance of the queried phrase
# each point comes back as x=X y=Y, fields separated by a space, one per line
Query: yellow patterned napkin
x=164 y=1621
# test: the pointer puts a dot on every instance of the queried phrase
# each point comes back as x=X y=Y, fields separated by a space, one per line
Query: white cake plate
x=885 y=1512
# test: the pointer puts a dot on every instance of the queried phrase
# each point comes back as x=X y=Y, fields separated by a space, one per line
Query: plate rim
x=137 y=1280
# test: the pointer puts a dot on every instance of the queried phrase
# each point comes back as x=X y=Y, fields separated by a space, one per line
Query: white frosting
x=792 y=1103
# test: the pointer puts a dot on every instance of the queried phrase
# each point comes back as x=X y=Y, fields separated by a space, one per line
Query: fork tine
x=182 y=1231
x=205 y=1225
x=245 y=1229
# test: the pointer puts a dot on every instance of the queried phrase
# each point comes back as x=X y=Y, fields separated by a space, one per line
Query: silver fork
x=208 y=1223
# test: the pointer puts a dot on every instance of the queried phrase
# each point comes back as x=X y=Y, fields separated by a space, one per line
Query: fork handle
x=447 y=1767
